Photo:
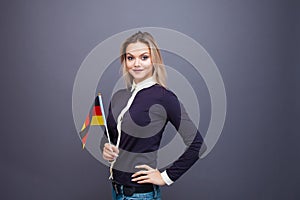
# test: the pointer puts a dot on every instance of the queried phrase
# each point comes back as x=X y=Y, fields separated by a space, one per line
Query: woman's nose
x=137 y=62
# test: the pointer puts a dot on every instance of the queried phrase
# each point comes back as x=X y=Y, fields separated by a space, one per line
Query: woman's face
x=138 y=61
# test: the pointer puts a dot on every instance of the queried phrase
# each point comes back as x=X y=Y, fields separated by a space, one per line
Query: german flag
x=95 y=117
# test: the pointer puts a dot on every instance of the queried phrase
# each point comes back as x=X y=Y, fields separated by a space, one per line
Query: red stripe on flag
x=97 y=111
x=87 y=121
x=84 y=139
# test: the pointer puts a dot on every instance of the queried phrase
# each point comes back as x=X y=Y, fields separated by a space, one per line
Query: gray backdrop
x=254 y=43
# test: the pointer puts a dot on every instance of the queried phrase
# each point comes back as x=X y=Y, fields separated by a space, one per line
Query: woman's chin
x=139 y=78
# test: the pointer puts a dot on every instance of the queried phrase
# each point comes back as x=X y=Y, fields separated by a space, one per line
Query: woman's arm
x=190 y=134
x=177 y=115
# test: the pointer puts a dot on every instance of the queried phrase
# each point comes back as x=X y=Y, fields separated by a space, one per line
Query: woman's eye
x=145 y=57
x=129 y=58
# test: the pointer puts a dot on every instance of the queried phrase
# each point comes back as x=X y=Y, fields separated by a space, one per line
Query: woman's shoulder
x=165 y=93
x=167 y=98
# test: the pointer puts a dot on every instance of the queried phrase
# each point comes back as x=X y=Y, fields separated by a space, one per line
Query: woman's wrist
x=166 y=178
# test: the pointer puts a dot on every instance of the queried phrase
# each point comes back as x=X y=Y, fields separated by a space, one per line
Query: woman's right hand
x=110 y=152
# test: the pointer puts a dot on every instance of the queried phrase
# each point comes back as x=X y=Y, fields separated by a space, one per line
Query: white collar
x=144 y=84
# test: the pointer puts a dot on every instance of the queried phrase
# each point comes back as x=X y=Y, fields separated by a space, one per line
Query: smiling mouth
x=137 y=70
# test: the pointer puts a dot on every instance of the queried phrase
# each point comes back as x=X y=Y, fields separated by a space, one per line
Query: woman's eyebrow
x=146 y=52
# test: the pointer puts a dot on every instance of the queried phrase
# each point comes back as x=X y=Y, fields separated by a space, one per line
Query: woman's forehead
x=138 y=47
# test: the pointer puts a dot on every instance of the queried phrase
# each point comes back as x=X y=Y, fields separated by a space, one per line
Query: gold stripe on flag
x=83 y=127
x=97 y=120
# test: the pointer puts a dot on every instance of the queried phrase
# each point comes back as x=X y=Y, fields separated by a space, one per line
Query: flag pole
x=104 y=118
x=108 y=137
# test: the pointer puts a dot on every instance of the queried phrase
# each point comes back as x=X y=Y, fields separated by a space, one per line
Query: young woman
x=136 y=121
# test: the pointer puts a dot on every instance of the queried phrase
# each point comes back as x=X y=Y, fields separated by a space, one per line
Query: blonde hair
x=159 y=72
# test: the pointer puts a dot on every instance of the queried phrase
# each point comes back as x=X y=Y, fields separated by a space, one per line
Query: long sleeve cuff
x=166 y=178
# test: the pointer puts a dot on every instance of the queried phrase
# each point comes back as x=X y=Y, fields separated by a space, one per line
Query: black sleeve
x=192 y=138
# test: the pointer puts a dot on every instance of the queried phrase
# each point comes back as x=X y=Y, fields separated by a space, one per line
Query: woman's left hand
x=149 y=175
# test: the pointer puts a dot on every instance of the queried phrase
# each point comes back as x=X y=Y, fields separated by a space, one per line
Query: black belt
x=130 y=190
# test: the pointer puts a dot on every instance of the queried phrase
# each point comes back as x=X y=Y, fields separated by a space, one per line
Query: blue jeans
x=139 y=196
